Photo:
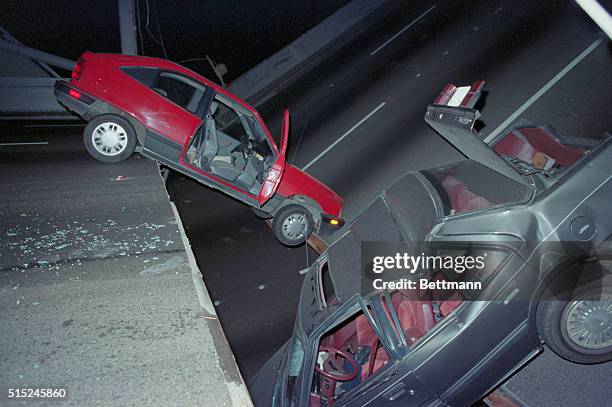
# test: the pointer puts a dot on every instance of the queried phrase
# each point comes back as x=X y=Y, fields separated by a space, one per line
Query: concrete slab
x=97 y=287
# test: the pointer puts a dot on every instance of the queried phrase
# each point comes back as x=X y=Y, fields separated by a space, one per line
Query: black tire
x=122 y=130
x=551 y=318
x=261 y=214
x=285 y=233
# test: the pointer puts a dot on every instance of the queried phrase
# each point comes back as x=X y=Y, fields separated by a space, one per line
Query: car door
x=477 y=336
x=221 y=153
x=168 y=108
x=361 y=329
x=275 y=173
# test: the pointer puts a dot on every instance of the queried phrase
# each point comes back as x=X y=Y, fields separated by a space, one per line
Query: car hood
x=296 y=182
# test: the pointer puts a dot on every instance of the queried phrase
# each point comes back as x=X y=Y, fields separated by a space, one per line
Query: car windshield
x=469 y=186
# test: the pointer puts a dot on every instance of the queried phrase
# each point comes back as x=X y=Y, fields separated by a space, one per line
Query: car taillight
x=78 y=69
x=74 y=94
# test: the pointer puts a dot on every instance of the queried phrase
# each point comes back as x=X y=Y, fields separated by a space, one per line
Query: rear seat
x=527 y=143
x=416 y=315
x=462 y=199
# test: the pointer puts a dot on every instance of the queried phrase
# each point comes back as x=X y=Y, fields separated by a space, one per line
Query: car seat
x=209 y=148
x=527 y=143
x=221 y=166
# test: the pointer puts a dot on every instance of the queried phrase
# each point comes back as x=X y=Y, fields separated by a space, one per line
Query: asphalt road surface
x=253 y=280
x=358 y=118
x=357 y=124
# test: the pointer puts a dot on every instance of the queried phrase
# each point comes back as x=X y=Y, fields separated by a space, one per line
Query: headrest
x=213 y=107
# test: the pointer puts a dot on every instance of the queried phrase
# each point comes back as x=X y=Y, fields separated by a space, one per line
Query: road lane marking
x=413 y=22
x=54 y=125
x=542 y=91
x=342 y=137
x=36 y=143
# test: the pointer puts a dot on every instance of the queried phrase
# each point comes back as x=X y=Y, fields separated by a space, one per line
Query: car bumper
x=73 y=99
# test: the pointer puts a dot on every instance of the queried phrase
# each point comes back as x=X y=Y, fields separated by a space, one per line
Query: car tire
x=109 y=138
x=562 y=321
x=292 y=225
x=261 y=214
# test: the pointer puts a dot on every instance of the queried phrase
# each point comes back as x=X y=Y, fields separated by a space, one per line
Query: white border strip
x=597 y=14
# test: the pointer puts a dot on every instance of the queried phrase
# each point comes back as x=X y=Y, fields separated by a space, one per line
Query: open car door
x=275 y=172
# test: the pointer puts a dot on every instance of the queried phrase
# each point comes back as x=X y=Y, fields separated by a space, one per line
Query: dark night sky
x=239 y=33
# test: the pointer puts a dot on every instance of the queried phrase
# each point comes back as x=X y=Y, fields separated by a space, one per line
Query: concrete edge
x=236 y=387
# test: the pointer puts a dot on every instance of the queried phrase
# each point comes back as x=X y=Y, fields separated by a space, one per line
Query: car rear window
x=469 y=186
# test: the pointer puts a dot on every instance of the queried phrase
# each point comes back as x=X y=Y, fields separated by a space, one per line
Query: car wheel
x=109 y=138
x=261 y=214
x=578 y=329
x=292 y=225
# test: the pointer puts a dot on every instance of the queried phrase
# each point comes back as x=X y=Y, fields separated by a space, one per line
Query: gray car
x=535 y=205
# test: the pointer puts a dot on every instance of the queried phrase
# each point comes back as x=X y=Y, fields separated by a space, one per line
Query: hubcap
x=109 y=139
x=295 y=226
x=588 y=322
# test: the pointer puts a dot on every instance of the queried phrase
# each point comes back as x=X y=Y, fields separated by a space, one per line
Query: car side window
x=180 y=90
x=419 y=310
x=227 y=120
x=146 y=76
x=237 y=122
x=347 y=355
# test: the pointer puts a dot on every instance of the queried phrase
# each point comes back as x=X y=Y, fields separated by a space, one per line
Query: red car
x=179 y=118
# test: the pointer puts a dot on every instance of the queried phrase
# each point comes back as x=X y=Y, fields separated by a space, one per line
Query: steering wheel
x=331 y=368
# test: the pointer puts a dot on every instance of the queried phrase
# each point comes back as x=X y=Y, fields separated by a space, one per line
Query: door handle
x=395 y=392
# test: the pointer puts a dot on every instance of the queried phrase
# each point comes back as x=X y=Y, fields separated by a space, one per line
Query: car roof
x=152 y=62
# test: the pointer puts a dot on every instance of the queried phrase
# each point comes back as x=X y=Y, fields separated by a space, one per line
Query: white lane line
x=542 y=91
x=37 y=143
x=342 y=137
x=403 y=29
x=54 y=125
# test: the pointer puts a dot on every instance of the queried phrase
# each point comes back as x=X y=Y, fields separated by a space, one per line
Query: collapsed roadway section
x=99 y=289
